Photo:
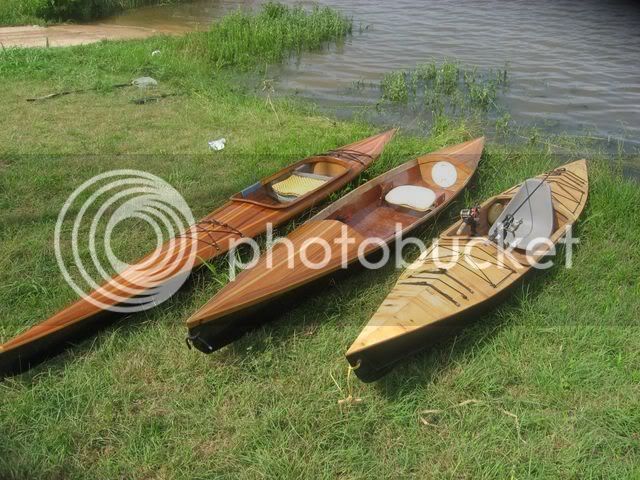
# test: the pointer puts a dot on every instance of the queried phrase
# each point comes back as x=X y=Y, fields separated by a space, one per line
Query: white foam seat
x=444 y=174
x=411 y=196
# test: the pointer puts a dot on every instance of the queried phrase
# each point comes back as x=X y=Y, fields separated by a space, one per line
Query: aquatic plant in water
x=444 y=87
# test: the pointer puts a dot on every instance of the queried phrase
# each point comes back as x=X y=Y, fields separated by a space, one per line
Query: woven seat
x=297 y=185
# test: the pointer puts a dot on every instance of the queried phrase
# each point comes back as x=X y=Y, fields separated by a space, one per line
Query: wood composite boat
x=381 y=209
x=462 y=273
x=274 y=200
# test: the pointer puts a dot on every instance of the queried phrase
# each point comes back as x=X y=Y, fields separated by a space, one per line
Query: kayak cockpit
x=295 y=183
x=402 y=198
x=524 y=222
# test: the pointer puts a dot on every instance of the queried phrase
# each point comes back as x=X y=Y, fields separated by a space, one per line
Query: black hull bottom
x=378 y=360
x=213 y=335
x=31 y=354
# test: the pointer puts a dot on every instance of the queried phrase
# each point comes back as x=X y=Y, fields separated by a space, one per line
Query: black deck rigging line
x=462 y=294
x=436 y=289
x=496 y=264
x=223 y=225
x=445 y=272
x=348 y=154
x=569 y=195
x=567 y=181
x=198 y=229
x=221 y=228
x=557 y=197
x=567 y=188
x=473 y=271
x=475 y=265
x=472 y=256
x=569 y=173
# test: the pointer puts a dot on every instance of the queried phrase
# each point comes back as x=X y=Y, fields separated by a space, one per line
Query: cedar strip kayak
x=461 y=274
x=397 y=201
x=245 y=215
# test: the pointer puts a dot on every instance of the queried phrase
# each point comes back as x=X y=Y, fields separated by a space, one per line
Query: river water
x=574 y=66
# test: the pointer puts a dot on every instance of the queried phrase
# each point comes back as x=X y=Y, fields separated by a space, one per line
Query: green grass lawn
x=544 y=386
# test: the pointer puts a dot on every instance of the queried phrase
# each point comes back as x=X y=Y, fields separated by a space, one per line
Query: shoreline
x=67 y=35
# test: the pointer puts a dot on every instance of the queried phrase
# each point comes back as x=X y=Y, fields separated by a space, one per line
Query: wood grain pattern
x=457 y=276
x=244 y=215
x=360 y=216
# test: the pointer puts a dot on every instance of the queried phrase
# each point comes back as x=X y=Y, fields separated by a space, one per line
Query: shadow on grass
x=422 y=368
x=92 y=335
x=282 y=319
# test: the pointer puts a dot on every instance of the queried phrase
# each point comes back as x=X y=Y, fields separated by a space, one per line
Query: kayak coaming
x=248 y=218
x=211 y=327
x=415 y=315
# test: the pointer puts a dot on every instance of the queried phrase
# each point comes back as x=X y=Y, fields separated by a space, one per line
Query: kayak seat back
x=442 y=173
x=298 y=184
x=251 y=189
x=533 y=216
x=305 y=179
x=326 y=169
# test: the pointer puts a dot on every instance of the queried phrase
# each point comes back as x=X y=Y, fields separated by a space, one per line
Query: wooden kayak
x=380 y=209
x=273 y=200
x=461 y=273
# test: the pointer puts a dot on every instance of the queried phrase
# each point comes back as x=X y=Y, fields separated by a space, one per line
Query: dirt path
x=67 y=35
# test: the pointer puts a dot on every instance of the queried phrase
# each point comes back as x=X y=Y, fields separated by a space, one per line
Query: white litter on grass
x=144 y=82
x=155 y=52
x=217 y=145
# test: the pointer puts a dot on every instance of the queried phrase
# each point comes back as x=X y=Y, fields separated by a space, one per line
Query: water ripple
x=572 y=64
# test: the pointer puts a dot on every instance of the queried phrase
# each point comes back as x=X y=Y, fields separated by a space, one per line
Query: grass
x=544 y=386
x=242 y=40
x=21 y=12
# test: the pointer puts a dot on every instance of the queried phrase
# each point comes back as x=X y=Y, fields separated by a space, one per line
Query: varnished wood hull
x=362 y=214
x=430 y=303
x=228 y=328
x=243 y=216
